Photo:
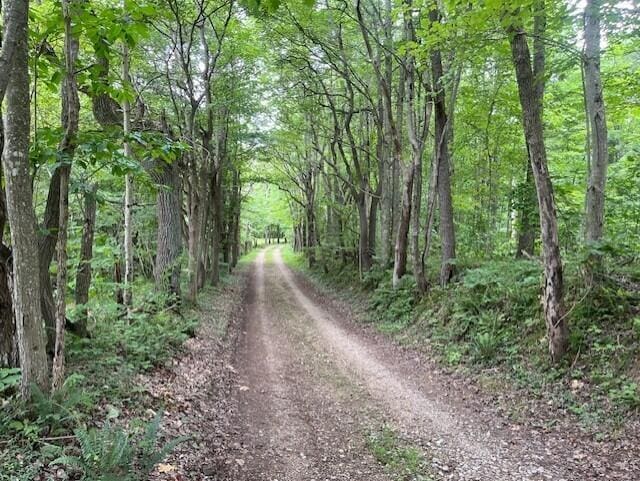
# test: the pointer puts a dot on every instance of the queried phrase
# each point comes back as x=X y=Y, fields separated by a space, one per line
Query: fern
x=149 y=454
x=111 y=454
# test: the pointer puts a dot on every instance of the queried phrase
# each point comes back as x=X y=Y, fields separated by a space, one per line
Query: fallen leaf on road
x=166 y=468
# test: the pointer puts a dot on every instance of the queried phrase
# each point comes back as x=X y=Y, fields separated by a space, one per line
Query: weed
x=627 y=395
x=486 y=345
x=403 y=461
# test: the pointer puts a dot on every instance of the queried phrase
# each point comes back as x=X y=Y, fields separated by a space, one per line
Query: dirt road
x=313 y=387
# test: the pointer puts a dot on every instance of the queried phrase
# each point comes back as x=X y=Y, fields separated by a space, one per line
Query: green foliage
x=394 y=306
x=486 y=344
x=18 y=463
x=375 y=276
x=9 y=379
x=627 y=395
x=46 y=415
x=112 y=454
x=401 y=460
x=151 y=336
x=102 y=368
x=56 y=413
x=266 y=205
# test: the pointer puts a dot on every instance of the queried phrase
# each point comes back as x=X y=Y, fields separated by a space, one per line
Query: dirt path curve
x=311 y=386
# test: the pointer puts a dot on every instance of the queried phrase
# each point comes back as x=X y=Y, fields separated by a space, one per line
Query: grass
x=400 y=459
x=249 y=257
x=293 y=259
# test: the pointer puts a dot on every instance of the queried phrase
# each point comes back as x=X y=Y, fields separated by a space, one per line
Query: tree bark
x=364 y=252
x=57 y=373
x=417 y=133
x=128 y=192
x=236 y=205
x=194 y=231
x=169 y=235
x=8 y=348
x=400 y=252
x=530 y=100
x=83 y=271
x=447 y=227
x=46 y=250
x=527 y=207
x=20 y=213
x=216 y=238
x=70 y=118
x=595 y=197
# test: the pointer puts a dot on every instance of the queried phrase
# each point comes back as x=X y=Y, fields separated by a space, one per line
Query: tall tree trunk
x=203 y=214
x=83 y=271
x=216 y=238
x=400 y=253
x=70 y=118
x=128 y=192
x=57 y=374
x=30 y=332
x=417 y=141
x=46 y=250
x=169 y=235
x=8 y=347
x=236 y=206
x=364 y=252
x=527 y=234
x=194 y=231
x=374 y=206
x=528 y=210
x=416 y=253
x=531 y=104
x=447 y=227
x=595 y=198
x=311 y=234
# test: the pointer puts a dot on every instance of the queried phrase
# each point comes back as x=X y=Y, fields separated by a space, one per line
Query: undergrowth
x=95 y=427
x=489 y=324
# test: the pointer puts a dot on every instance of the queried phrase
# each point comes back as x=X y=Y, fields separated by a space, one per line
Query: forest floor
x=298 y=391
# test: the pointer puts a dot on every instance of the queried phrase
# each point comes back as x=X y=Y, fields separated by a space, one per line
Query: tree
x=441 y=142
x=128 y=181
x=19 y=199
x=70 y=120
x=531 y=103
x=83 y=271
x=598 y=159
x=418 y=121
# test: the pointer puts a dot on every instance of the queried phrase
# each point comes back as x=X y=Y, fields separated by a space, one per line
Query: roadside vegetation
x=103 y=423
x=487 y=325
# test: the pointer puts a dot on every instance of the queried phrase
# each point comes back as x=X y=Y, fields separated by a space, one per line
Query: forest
x=220 y=218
